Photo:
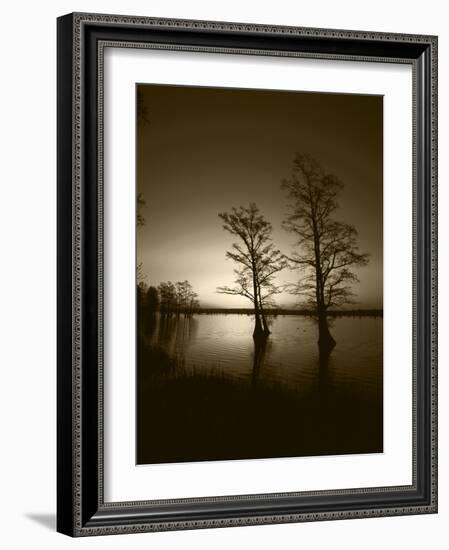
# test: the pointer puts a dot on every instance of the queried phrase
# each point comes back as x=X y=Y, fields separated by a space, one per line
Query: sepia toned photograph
x=259 y=276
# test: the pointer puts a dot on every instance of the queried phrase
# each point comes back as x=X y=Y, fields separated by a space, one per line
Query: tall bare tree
x=258 y=261
x=327 y=249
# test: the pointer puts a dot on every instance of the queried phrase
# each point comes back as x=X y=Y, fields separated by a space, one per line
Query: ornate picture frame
x=81 y=507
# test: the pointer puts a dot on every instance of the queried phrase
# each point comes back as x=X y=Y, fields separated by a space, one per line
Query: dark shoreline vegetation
x=187 y=415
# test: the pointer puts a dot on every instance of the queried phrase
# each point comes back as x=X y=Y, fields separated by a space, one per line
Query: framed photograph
x=247 y=280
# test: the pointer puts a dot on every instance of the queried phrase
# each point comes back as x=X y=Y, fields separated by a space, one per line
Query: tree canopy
x=257 y=258
x=326 y=250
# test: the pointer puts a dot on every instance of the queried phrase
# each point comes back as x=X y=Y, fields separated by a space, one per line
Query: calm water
x=206 y=392
x=224 y=344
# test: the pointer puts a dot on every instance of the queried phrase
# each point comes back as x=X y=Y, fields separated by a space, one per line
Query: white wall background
x=28 y=282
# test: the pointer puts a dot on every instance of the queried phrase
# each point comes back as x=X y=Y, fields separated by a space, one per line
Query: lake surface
x=290 y=356
x=205 y=391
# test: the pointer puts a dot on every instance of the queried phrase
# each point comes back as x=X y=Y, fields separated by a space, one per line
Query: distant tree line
x=275 y=311
x=168 y=298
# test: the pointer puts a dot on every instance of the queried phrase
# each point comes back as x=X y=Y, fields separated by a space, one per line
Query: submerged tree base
x=326 y=343
x=325 y=339
x=261 y=334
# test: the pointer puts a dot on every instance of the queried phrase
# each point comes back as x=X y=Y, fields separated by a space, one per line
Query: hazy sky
x=205 y=150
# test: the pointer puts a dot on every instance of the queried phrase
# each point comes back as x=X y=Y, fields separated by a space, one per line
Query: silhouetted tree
x=142 y=288
x=177 y=298
x=140 y=220
x=326 y=249
x=140 y=275
x=187 y=299
x=152 y=299
x=141 y=296
x=193 y=303
x=167 y=295
x=183 y=292
x=258 y=261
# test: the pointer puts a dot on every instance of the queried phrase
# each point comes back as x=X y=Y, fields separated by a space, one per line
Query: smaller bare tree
x=258 y=260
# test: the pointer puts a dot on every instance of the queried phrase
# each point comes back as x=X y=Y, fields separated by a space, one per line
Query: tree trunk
x=266 y=330
x=265 y=327
x=325 y=340
x=258 y=330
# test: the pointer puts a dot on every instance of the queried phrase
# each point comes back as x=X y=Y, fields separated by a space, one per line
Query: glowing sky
x=204 y=150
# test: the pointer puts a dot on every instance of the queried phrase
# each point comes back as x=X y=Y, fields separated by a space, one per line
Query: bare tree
x=192 y=303
x=167 y=296
x=327 y=249
x=258 y=260
x=186 y=298
x=140 y=220
x=152 y=299
x=177 y=298
x=140 y=275
x=140 y=205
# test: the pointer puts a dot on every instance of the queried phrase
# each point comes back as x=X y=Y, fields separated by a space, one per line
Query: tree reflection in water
x=262 y=348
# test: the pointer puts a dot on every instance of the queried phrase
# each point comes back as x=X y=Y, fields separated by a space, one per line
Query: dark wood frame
x=81 y=509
